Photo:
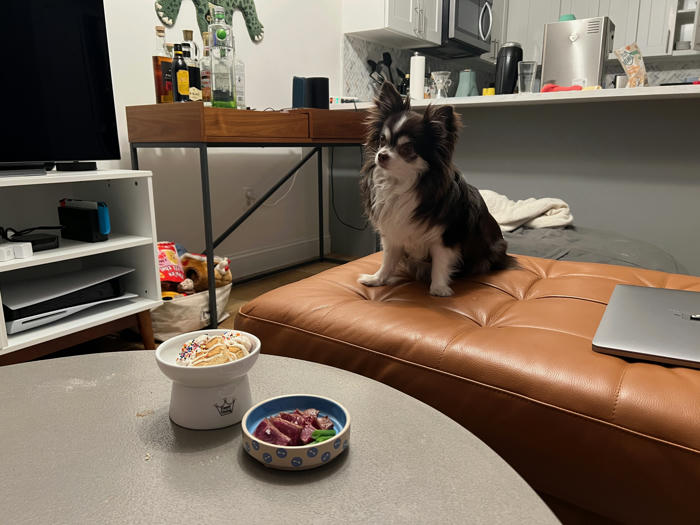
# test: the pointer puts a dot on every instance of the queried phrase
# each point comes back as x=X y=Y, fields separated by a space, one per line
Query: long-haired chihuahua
x=433 y=224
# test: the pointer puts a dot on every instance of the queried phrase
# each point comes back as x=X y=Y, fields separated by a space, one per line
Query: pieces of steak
x=324 y=423
x=289 y=429
x=305 y=436
x=267 y=432
x=309 y=416
x=295 y=418
x=310 y=412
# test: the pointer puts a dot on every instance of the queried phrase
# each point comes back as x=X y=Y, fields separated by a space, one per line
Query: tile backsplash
x=671 y=70
x=356 y=70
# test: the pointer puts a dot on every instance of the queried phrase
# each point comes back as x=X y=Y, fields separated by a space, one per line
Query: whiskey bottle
x=181 y=77
x=161 y=69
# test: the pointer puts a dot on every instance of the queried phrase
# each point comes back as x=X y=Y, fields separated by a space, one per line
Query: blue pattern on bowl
x=281 y=453
x=312 y=452
x=297 y=461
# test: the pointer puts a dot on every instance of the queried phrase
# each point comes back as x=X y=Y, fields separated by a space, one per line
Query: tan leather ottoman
x=509 y=357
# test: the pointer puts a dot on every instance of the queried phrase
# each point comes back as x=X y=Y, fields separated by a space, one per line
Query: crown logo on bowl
x=226 y=407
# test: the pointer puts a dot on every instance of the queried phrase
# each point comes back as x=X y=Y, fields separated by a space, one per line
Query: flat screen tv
x=57 y=102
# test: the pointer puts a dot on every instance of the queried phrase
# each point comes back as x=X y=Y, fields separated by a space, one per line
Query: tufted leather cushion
x=509 y=357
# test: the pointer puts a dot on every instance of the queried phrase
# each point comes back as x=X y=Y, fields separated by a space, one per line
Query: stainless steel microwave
x=466 y=29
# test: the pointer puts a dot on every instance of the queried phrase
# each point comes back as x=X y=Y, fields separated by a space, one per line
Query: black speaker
x=310 y=92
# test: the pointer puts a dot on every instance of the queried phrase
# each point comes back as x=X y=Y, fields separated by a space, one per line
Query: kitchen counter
x=565 y=97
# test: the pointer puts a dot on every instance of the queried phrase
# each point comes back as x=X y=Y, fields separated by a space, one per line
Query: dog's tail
x=503 y=260
x=510 y=263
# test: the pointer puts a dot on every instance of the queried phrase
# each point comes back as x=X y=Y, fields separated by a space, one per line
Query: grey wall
x=628 y=167
x=345 y=205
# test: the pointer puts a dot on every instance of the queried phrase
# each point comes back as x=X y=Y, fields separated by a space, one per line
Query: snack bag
x=632 y=62
x=169 y=264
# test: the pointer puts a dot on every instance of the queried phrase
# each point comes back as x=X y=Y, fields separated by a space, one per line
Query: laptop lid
x=652 y=324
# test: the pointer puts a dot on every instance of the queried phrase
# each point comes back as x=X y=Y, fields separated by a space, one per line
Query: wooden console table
x=194 y=125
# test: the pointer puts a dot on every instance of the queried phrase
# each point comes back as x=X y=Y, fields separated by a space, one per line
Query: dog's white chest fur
x=394 y=203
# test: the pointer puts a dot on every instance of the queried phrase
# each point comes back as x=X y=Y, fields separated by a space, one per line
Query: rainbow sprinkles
x=208 y=350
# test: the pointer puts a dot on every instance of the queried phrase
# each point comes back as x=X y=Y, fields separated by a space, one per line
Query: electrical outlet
x=249 y=195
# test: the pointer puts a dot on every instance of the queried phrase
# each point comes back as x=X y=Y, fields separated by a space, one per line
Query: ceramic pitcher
x=467 y=84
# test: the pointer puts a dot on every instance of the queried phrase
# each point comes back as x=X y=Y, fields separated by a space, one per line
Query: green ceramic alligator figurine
x=167 y=11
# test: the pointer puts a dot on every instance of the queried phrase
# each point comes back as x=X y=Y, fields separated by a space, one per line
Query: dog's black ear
x=389 y=101
x=443 y=124
x=386 y=103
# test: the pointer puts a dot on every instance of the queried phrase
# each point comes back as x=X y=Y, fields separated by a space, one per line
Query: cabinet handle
x=481 y=21
x=488 y=33
x=668 y=41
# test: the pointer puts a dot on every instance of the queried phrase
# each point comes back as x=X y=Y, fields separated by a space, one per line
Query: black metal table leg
x=221 y=238
x=208 y=236
x=134 y=157
x=319 y=165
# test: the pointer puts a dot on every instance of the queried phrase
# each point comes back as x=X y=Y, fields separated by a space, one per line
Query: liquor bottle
x=205 y=70
x=181 y=77
x=161 y=69
x=189 y=44
x=222 y=60
x=195 y=79
x=239 y=70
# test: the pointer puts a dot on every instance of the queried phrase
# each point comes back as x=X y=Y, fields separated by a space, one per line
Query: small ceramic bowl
x=303 y=457
x=207 y=397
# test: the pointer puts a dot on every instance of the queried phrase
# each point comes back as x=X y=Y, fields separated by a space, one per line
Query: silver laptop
x=653 y=324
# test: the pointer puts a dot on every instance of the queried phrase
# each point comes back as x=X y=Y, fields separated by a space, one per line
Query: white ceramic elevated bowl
x=303 y=457
x=207 y=397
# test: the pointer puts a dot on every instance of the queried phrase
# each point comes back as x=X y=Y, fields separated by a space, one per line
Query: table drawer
x=337 y=125
x=228 y=125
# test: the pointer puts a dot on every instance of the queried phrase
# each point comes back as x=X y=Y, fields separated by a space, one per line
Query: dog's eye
x=406 y=149
x=382 y=140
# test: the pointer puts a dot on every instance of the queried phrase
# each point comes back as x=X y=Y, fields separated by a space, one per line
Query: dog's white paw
x=370 y=280
x=441 y=290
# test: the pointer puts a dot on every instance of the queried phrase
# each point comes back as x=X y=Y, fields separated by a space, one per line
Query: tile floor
x=240 y=294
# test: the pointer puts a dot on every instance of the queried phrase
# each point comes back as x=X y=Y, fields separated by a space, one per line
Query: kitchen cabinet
x=655 y=27
x=402 y=24
x=499 y=30
x=582 y=8
x=625 y=16
x=525 y=24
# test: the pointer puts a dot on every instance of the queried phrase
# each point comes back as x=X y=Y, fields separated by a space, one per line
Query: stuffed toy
x=196 y=279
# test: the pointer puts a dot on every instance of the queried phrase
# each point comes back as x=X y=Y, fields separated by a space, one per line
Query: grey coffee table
x=87 y=439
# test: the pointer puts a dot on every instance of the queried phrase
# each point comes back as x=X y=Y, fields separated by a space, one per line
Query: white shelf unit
x=29 y=201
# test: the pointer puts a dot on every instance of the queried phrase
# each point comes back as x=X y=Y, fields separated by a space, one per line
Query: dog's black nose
x=383 y=157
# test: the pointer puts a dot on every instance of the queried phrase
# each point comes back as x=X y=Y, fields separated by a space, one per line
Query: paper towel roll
x=417 y=79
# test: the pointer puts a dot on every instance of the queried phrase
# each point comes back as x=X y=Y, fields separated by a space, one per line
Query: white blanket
x=533 y=213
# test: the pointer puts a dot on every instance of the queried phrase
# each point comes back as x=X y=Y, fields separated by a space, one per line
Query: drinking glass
x=527 y=72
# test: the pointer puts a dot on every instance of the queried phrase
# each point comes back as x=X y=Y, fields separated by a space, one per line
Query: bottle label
x=183 y=82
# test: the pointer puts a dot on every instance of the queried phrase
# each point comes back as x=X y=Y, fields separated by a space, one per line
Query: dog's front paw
x=441 y=290
x=371 y=280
